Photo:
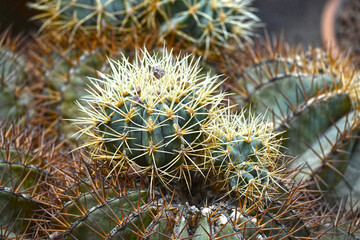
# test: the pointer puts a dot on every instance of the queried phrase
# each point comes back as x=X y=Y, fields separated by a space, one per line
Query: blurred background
x=297 y=20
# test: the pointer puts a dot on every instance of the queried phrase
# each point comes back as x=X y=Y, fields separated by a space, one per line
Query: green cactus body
x=316 y=111
x=205 y=23
x=69 y=79
x=151 y=113
x=166 y=129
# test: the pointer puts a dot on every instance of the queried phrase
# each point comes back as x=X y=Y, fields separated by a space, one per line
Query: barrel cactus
x=150 y=114
x=204 y=23
x=312 y=97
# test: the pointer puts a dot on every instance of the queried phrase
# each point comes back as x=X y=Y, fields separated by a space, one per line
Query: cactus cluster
x=312 y=97
x=158 y=115
x=162 y=151
x=204 y=23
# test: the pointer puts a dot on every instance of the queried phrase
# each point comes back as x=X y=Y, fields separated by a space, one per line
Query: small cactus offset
x=312 y=97
x=246 y=151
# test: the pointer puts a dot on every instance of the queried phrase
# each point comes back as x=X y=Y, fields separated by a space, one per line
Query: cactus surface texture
x=90 y=15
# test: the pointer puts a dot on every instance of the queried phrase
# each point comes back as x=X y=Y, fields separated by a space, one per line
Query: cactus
x=245 y=151
x=25 y=176
x=13 y=79
x=312 y=97
x=102 y=207
x=228 y=155
x=203 y=23
x=89 y=16
x=167 y=160
x=345 y=225
x=150 y=113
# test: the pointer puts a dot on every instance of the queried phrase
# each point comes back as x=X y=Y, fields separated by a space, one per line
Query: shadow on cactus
x=312 y=97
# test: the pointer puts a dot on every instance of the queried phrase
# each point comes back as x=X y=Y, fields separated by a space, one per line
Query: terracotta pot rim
x=328 y=17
